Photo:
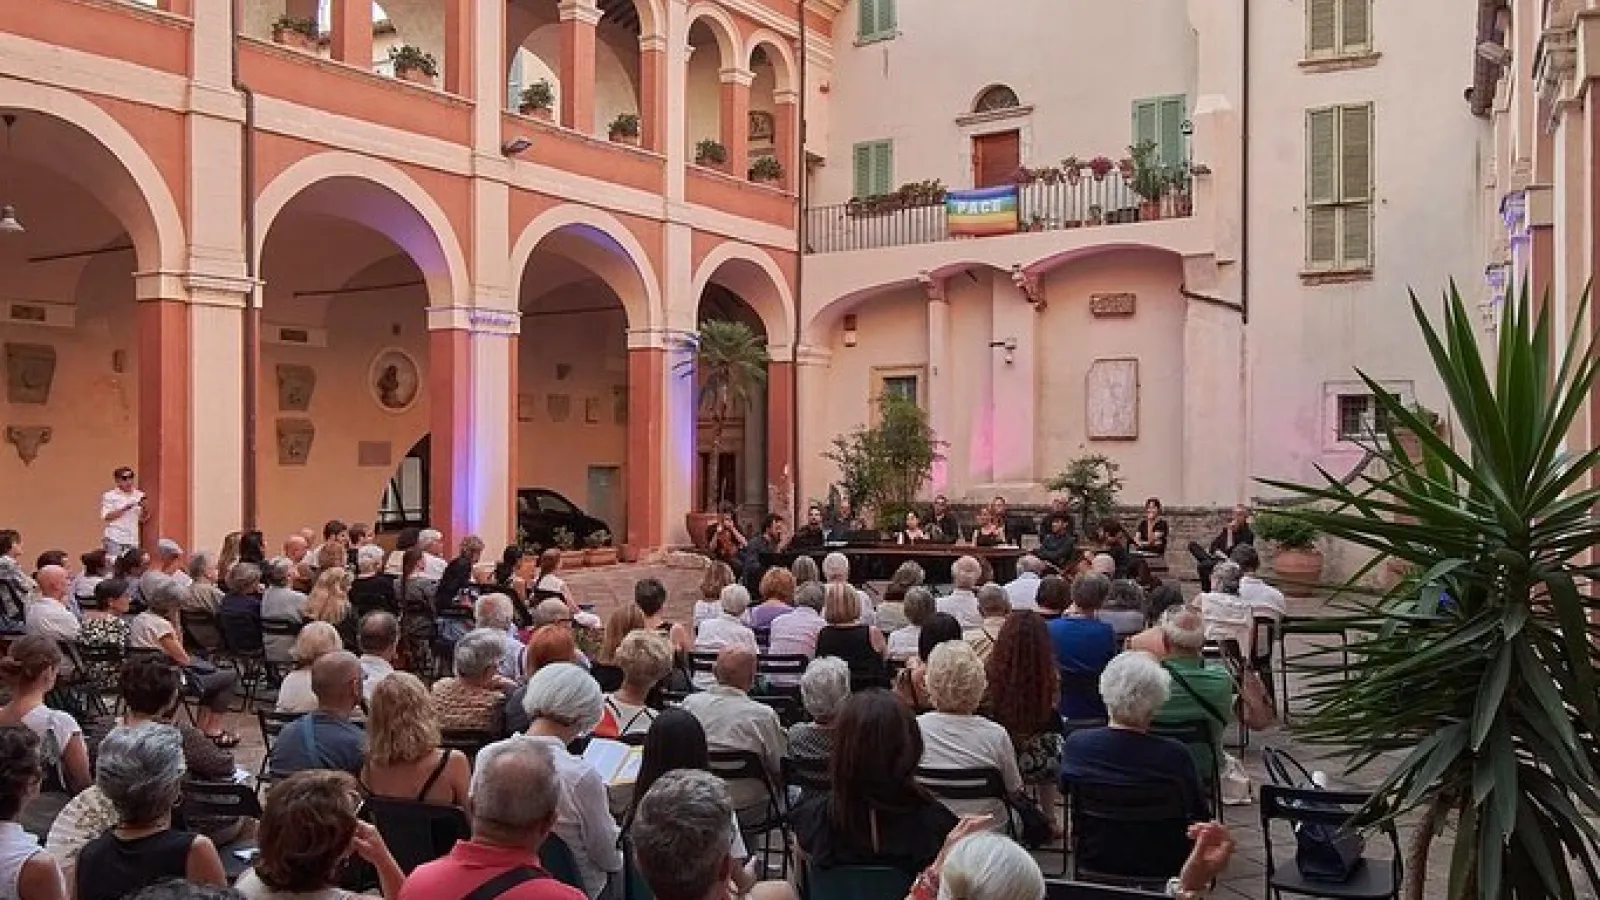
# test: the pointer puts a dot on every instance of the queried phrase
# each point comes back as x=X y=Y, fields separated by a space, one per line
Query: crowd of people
x=1048 y=680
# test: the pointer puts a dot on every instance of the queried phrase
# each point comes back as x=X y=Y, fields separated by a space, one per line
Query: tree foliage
x=1093 y=484
x=730 y=360
x=884 y=466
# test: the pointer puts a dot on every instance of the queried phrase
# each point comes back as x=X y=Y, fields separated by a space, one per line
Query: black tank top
x=853 y=644
x=109 y=868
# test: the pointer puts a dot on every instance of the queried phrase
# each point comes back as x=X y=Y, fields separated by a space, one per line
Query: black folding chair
x=279 y=628
x=702 y=662
x=222 y=800
x=416 y=832
x=856 y=882
x=87 y=659
x=1146 y=824
x=743 y=765
x=1082 y=890
x=241 y=646
x=788 y=666
x=969 y=785
x=467 y=740
x=1198 y=734
x=1373 y=879
x=763 y=636
x=807 y=774
x=789 y=708
x=272 y=724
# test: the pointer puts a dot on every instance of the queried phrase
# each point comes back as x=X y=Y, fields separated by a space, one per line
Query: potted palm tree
x=1477 y=683
x=711 y=154
x=300 y=34
x=413 y=64
x=537 y=100
x=624 y=129
x=730 y=361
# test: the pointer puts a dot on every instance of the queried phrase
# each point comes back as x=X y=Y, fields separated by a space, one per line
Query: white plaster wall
x=1425 y=171
x=1080 y=67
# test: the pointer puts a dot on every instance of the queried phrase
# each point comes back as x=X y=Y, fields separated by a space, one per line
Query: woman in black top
x=1151 y=534
x=845 y=637
x=877 y=814
x=141 y=772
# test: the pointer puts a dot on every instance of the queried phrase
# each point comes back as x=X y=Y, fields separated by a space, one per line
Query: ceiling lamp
x=8 y=213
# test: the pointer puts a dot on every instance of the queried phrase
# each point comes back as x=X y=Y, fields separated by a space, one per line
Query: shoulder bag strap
x=444 y=760
x=504 y=882
x=1204 y=703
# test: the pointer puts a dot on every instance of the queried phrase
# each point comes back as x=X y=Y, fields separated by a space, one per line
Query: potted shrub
x=711 y=154
x=766 y=170
x=624 y=129
x=598 y=550
x=1149 y=180
x=412 y=64
x=1298 y=562
x=1100 y=167
x=1072 y=168
x=884 y=467
x=300 y=34
x=537 y=100
x=572 y=557
x=730 y=362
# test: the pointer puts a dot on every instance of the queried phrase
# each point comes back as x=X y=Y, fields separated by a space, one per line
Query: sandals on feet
x=227 y=740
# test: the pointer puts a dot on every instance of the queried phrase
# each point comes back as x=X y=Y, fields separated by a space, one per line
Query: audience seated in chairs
x=994 y=604
x=877 y=814
x=910 y=684
x=28 y=871
x=159 y=628
x=836 y=570
x=30 y=670
x=1200 y=691
x=620 y=622
x=473 y=699
x=564 y=702
x=1083 y=644
x=325 y=738
x=494 y=612
x=1024 y=687
x=404 y=759
x=962 y=601
x=1227 y=615
x=316 y=640
x=240 y=615
x=202 y=599
x=547 y=645
x=151 y=688
x=777 y=598
x=988 y=867
x=846 y=637
x=917 y=607
x=1264 y=599
x=1124 y=609
x=280 y=603
x=96 y=568
x=105 y=628
x=717 y=577
x=329 y=601
x=141 y=770
x=681 y=838
x=824 y=688
x=727 y=628
x=1159 y=595
x=372 y=588
x=891 y=612
x=955 y=737
x=380 y=645
x=46 y=612
x=308 y=831
x=795 y=634
x=418 y=616
x=650 y=595
x=805 y=571
x=513 y=803
x=645 y=658
x=734 y=722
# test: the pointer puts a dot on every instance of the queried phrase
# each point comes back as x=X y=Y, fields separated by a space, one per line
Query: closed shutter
x=886 y=17
x=514 y=81
x=1356 y=236
x=1173 y=111
x=883 y=167
x=1322 y=135
x=1356 y=29
x=1322 y=27
x=872 y=166
x=1339 y=187
x=1146 y=121
x=866 y=18
x=1322 y=237
x=1355 y=153
x=862 y=161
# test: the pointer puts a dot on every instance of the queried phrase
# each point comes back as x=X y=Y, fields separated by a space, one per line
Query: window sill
x=1342 y=62
x=866 y=39
x=1335 y=276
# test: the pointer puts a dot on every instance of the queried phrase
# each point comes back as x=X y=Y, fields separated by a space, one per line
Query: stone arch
x=652 y=19
x=723 y=29
x=754 y=275
x=148 y=212
x=393 y=198
x=779 y=52
x=641 y=299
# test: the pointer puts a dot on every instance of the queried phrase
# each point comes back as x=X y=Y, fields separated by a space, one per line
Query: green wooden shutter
x=861 y=159
x=883 y=167
x=1173 y=112
x=1322 y=156
x=1146 y=121
x=1355 y=153
x=1322 y=27
x=1355 y=31
x=886 y=17
x=866 y=18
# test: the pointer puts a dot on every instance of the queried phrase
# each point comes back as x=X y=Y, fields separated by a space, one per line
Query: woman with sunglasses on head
x=309 y=831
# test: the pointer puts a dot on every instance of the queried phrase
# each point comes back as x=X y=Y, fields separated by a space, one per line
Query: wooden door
x=995 y=158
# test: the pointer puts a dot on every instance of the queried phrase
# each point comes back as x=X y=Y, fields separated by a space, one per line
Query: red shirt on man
x=470 y=864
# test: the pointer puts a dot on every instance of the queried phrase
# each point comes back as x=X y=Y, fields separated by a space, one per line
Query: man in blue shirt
x=1083 y=645
x=325 y=739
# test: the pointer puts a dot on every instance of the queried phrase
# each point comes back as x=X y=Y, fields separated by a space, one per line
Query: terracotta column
x=351 y=37
x=177 y=7
x=647 y=436
x=652 y=91
x=786 y=137
x=736 y=119
x=578 y=21
x=780 y=424
x=450 y=425
x=459 y=57
x=164 y=437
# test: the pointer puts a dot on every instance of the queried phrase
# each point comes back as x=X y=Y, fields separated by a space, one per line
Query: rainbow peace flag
x=982 y=212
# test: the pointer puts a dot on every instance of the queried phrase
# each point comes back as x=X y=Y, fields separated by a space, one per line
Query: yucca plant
x=730 y=360
x=1480 y=664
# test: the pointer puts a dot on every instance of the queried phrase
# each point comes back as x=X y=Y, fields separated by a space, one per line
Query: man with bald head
x=47 y=612
x=732 y=721
x=325 y=739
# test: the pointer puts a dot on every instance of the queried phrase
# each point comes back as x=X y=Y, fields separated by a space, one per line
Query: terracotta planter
x=573 y=559
x=697 y=523
x=1299 y=571
x=600 y=556
x=288 y=37
x=763 y=179
x=538 y=112
x=415 y=76
x=708 y=164
x=1149 y=210
x=632 y=140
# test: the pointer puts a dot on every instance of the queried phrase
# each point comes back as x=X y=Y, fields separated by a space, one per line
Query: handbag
x=1036 y=830
x=1256 y=709
x=1324 y=853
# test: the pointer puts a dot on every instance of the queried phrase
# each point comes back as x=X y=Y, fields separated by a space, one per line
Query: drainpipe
x=799 y=275
x=251 y=351
x=1244 y=175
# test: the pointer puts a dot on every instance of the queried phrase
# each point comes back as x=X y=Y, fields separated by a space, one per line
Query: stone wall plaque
x=30 y=370
x=375 y=454
x=296 y=384
x=559 y=406
x=1113 y=402
x=527 y=407
x=591 y=410
x=1106 y=306
x=28 y=439
x=294 y=441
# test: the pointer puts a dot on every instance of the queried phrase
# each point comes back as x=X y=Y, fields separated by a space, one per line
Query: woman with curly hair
x=329 y=602
x=404 y=759
x=310 y=827
x=1023 y=690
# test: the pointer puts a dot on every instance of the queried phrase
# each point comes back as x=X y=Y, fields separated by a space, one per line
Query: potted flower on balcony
x=1073 y=169
x=537 y=100
x=1100 y=167
x=1149 y=180
x=711 y=154
x=413 y=64
x=300 y=34
x=598 y=549
x=625 y=129
x=766 y=170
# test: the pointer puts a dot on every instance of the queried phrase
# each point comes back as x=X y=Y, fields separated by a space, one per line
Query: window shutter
x=862 y=160
x=1173 y=111
x=1322 y=237
x=883 y=167
x=1322 y=27
x=886 y=16
x=1322 y=156
x=1355 y=153
x=1146 y=121
x=1356 y=236
x=866 y=18
x=1356 y=29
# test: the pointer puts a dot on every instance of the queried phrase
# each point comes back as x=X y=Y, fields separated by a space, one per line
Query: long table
x=877 y=562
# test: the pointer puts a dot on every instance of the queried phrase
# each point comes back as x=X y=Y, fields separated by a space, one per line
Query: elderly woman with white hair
x=315 y=641
x=962 y=601
x=1228 y=616
x=474 y=699
x=495 y=612
x=563 y=701
x=373 y=589
x=955 y=737
x=727 y=627
x=141 y=770
x=824 y=688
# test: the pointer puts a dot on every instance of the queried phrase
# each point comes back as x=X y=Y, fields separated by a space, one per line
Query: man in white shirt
x=122 y=509
x=433 y=561
x=732 y=721
x=1264 y=599
x=379 y=639
x=1025 y=587
x=48 y=614
x=962 y=602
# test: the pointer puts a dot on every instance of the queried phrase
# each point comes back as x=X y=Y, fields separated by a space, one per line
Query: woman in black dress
x=846 y=637
x=1150 y=536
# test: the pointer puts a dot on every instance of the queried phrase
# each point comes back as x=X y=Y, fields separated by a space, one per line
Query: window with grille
x=1339 y=188
x=1338 y=28
x=1361 y=418
x=874 y=168
x=903 y=387
x=997 y=97
x=1159 y=120
x=875 y=20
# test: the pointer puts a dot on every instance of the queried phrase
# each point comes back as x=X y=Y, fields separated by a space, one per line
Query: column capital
x=811 y=355
x=167 y=284
x=652 y=43
x=584 y=11
x=933 y=287
x=736 y=75
x=1028 y=283
x=475 y=319
x=660 y=338
x=785 y=98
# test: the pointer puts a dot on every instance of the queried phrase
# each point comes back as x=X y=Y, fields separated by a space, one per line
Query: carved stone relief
x=30 y=370
x=294 y=441
x=1112 y=305
x=376 y=454
x=296 y=384
x=28 y=439
x=559 y=406
x=1113 y=402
